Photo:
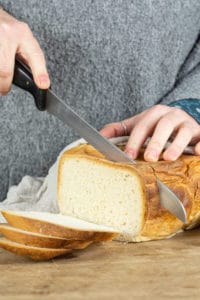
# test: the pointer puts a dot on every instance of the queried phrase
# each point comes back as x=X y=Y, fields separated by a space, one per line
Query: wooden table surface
x=165 y=269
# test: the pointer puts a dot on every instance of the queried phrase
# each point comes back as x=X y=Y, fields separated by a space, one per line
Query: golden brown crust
x=182 y=176
x=176 y=175
x=38 y=240
x=55 y=230
x=35 y=253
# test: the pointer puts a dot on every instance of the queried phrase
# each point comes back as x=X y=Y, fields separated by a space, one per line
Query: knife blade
x=62 y=111
x=49 y=101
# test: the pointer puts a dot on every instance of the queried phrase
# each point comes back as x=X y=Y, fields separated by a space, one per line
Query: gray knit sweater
x=108 y=59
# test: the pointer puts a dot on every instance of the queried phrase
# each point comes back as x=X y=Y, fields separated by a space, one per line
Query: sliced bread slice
x=59 y=226
x=40 y=240
x=36 y=253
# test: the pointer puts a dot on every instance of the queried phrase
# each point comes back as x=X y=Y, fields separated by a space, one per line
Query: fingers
x=163 y=130
x=176 y=121
x=31 y=52
x=179 y=143
x=137 y=138
x=142 y=129
x=7 y=57
x=197 y=148
x=116 y=129
x=16 y=38
x=111 y=130
x=161 y=123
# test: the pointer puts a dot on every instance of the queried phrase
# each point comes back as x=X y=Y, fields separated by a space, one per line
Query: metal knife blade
x=62 y=111
x=171 y=202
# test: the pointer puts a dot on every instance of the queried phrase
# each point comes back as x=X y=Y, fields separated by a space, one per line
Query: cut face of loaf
x=57 y=225
x=125 y=196
x=103 y=193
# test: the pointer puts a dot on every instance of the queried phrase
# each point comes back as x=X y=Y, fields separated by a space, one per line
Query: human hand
x=160 y=123
x=16 y=38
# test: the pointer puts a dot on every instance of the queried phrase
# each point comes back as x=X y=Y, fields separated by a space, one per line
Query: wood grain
x=165 y=269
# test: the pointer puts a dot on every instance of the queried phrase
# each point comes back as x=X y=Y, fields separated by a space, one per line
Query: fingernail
x=151 y=155
x=170 y=155
x=43 y=79
x=197 y=149
x=131 y=153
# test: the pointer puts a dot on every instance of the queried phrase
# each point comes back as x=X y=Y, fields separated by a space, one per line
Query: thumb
x=33 y=55
x=114 y=130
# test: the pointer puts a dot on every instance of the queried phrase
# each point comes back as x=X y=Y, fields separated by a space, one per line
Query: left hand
x=160 y=123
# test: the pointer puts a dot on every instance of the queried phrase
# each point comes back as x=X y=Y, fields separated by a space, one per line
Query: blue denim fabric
x=191 y=106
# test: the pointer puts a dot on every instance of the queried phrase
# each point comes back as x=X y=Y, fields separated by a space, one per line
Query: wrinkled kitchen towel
x=32 y=194
x=37 y=193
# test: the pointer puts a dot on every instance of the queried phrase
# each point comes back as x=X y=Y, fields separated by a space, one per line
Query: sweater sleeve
x=187 y=87
x=191 y=106
x=186 y=94
x=186 y=91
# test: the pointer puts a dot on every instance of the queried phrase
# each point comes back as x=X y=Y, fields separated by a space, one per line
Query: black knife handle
x=23 y=78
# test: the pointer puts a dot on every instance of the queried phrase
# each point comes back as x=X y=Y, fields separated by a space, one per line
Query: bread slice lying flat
x=125 y=196
x=57 y=225
x=40 y=240
x=36 y=253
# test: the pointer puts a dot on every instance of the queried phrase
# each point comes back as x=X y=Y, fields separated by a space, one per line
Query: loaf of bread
x=125 y=196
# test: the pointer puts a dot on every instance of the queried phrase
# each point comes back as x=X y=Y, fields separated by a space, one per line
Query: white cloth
x=35 y=193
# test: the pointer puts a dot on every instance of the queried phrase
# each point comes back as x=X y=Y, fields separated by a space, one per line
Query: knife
x=49 y=101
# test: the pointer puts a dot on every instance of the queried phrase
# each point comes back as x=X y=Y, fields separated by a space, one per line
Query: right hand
x=16 y=38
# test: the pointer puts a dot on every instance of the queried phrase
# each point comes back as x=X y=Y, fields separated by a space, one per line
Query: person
x=132 y=65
